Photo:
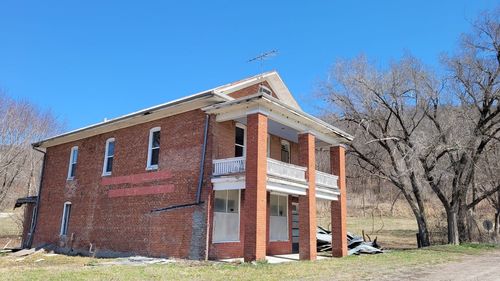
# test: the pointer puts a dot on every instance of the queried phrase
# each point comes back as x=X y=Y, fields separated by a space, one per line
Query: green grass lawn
x=353 y=267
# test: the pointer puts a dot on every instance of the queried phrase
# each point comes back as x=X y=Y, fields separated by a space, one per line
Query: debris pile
x=136 y=260
x=355 y=244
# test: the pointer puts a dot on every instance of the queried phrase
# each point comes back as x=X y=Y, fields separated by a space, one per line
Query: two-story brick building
x=228 y=172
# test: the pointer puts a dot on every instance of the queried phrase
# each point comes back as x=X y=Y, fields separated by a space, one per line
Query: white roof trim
x=273 y=78
x=271 y=106
x=145 y=115
x=203 y=99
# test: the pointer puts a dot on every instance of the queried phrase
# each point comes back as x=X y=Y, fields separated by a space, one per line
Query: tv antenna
x=262 y=57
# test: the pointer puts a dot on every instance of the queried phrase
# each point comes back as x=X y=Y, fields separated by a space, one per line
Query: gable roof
x=274 y=80
x=200 y=100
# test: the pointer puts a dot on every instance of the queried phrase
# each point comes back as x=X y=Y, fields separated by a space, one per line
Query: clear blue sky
x=86 y=60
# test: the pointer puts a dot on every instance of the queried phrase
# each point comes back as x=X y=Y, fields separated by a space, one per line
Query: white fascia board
x=282 y=90
x=142 y=116
x=233 y=87
x=228 y=183
x=279 y=112
x=328 y=197
x=285 y=188
x=328 y=190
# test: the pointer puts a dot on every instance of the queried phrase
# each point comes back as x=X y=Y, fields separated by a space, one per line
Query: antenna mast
x=262 y=57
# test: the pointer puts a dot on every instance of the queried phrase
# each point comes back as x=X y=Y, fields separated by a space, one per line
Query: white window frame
x=265 y=90
x=285 y=142
x=107 y=156
x=280 y=196
x=65 y=219
x=241 y=126
x=239 y=220
x=150 y=149
x=71 y=163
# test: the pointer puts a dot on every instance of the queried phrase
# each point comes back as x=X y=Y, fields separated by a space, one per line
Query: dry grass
x=41 y=267
x=392 y=233
x=9 y=224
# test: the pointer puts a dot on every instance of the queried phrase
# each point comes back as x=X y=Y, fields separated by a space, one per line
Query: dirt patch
x=484 y=267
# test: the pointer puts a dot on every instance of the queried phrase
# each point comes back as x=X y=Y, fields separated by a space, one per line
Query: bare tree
x=488 y=178
x=418 y=130
x=468 y=125
x=384 y=109
x=21 y=123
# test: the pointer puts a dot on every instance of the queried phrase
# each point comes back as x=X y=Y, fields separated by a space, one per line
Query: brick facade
x=255 y=209
x=114 y=214
x=339 y=208
x=307 y=203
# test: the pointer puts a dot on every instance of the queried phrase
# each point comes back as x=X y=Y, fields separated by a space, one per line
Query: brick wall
x=114 y=213
x=339 y=207
x=104 y=211
x=248 y=91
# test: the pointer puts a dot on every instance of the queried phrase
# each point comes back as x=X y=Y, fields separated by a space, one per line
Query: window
x=154 y=148
x=285 y=151
x=268 y=145
x=265 y=90
x=227 y=216
x=278 y=222
x=109 y=154
x=72 y=162
x=65 y=218
x=239 y=141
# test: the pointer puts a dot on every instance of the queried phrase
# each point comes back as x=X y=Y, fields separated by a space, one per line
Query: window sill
x=272 y=241
x=70 y=179
x=106 y=174
x=152 y=168
x=222 y=242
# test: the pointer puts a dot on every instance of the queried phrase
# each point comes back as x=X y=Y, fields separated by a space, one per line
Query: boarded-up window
x=226 y=216
x=278 y=222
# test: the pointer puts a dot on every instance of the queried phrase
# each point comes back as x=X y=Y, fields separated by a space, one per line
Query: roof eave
x=344 y=137
x=139 y=117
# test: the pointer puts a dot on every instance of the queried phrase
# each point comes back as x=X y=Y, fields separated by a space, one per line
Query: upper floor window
x=154 y=148
x=109 y=154
x=72 y=162
x=65 y=218
x=268 y=145
x=285 y=151
x=239 y=141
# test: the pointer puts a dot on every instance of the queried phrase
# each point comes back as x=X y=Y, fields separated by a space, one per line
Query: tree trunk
x=497 y=222
x=463 y=230
x=451 y=217
x=423 y=231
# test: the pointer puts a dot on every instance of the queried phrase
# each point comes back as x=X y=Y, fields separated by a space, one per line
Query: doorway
x=295 y=227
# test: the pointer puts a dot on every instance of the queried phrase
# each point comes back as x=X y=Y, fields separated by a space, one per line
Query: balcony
x=281 y=177
x=326 y=186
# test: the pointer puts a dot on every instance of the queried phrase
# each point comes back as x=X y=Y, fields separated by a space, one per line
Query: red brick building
x=229 y=172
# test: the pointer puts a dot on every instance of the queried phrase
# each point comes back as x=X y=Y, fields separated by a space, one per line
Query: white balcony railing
x=228 y=166
x=274 y=167
x=285 y=170
x=326 y=180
